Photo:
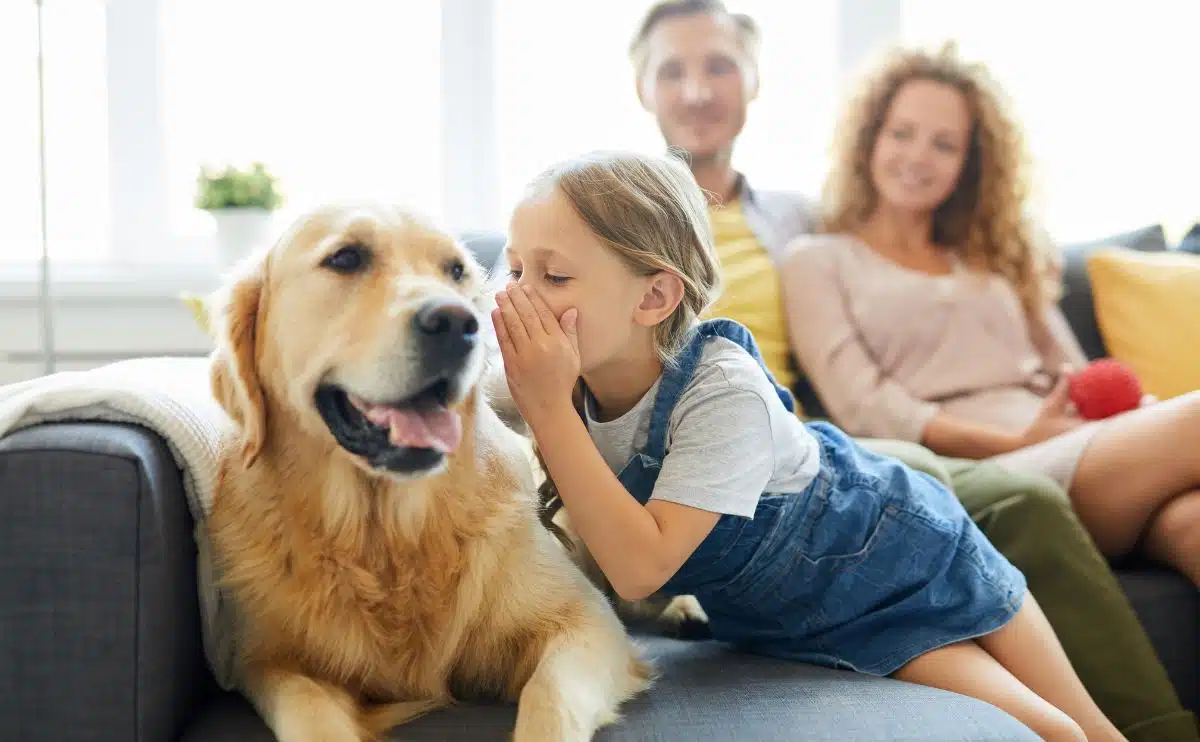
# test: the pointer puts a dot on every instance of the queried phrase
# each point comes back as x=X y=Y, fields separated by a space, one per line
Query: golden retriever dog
x=375 y=522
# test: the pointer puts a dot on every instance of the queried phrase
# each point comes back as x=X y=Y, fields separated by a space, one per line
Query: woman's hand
x=1054 y=418
x=541 y=354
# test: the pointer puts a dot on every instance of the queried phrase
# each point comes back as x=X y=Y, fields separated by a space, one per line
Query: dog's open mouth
x=420 y=422
x=407 y=436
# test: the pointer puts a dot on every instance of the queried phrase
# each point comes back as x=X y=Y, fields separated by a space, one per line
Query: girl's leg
x=1028 y=648
x=967 y=669
x=1031 y=521
x=1130 y=476
x=1021 y=669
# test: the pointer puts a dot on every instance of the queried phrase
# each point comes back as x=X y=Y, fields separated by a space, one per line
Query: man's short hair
x=747 y=29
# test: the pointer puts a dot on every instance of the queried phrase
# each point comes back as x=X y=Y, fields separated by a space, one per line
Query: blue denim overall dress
x=872 y=565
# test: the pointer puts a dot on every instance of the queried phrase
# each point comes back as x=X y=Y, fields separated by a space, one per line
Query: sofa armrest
x=99 y=618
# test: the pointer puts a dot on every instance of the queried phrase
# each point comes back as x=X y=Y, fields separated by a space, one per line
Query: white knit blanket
x=171 y=397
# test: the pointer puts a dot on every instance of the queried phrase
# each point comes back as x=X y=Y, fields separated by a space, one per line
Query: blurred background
x=450 y=105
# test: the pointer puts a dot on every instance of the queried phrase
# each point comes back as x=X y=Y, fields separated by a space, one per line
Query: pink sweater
x=886 y=347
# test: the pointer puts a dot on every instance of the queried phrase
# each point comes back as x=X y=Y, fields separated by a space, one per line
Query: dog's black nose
x=448 y=319
x=446 y=332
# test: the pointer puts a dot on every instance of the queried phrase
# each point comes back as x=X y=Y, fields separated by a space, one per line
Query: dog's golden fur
x=367 y=598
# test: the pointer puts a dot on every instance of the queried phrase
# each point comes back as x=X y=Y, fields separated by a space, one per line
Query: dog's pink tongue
x=437 y=428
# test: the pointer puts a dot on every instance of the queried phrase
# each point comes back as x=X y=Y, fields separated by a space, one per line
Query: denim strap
x=678 y=375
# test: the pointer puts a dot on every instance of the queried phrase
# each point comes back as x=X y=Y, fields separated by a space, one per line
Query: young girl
x=688 y=471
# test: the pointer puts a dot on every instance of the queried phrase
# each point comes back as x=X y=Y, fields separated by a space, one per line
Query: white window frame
x=137 y=150
x=470 y=149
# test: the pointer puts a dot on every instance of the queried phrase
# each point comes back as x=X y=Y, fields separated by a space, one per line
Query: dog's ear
x=234 y=372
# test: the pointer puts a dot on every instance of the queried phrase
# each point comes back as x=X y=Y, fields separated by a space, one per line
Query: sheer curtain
x=341 y=100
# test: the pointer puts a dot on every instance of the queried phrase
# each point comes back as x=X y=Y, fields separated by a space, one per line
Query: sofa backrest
x=486 y=247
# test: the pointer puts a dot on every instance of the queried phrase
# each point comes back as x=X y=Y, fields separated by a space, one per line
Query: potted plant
x=241 y=202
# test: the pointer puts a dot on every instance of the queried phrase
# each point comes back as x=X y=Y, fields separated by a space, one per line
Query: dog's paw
x=684 y=608
x=684 y=618
x=320 y=722
x=298 y=708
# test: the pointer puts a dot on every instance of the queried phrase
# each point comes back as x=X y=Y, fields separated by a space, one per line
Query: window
x=1106 y=98
x=340 y=100
x=76 y=130
x=376 y=99
x=562 y=93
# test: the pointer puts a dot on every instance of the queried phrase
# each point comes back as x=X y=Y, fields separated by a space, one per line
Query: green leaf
x=231 y=187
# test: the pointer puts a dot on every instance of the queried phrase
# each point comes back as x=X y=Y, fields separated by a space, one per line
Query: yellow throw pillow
x=1148 y=309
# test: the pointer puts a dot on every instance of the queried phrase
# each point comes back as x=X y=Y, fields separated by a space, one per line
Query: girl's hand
x=541 y=354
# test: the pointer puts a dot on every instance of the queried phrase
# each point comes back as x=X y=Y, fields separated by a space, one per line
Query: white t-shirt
x=729 y=438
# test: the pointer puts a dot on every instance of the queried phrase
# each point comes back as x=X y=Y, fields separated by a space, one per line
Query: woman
x=927 y=311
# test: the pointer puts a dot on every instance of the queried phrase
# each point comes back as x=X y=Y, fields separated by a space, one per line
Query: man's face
x=697 y=83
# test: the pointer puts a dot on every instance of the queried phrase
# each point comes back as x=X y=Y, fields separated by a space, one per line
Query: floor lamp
x=45 y=308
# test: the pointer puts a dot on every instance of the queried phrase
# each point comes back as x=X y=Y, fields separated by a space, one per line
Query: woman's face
x=921 y=147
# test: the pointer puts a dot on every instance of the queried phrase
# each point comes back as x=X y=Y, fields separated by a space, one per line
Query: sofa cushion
x=708 y=692
x=1076 y=302
x=1148 y=309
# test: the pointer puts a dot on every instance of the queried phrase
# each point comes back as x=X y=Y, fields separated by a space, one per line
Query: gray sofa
x=99 y=630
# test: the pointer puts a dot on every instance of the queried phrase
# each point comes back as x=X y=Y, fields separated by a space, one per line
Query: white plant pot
x=239 y=232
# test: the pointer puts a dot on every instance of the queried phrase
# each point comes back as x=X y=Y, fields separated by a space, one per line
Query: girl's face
x=921 y=147
x=551 y=250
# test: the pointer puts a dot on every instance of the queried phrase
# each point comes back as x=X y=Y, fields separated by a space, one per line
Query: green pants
x=1030 y=520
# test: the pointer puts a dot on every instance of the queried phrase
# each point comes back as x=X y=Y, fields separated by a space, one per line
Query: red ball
x=1104 y=388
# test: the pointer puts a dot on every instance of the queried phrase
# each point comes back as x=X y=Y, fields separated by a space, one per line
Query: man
x=696 y=71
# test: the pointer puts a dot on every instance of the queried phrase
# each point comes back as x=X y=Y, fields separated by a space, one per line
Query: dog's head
x=361 y=323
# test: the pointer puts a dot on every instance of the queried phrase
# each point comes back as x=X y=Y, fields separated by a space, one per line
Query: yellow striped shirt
x=752 y=293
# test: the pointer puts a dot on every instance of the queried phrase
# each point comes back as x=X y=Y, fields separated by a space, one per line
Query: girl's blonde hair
x=650 y=212
x=984 y=217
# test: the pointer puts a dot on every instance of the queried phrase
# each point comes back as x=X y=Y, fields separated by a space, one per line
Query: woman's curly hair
x=984 y=217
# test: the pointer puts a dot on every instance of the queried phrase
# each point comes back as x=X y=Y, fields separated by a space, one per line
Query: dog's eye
x=351 y=258
x=456 y=270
